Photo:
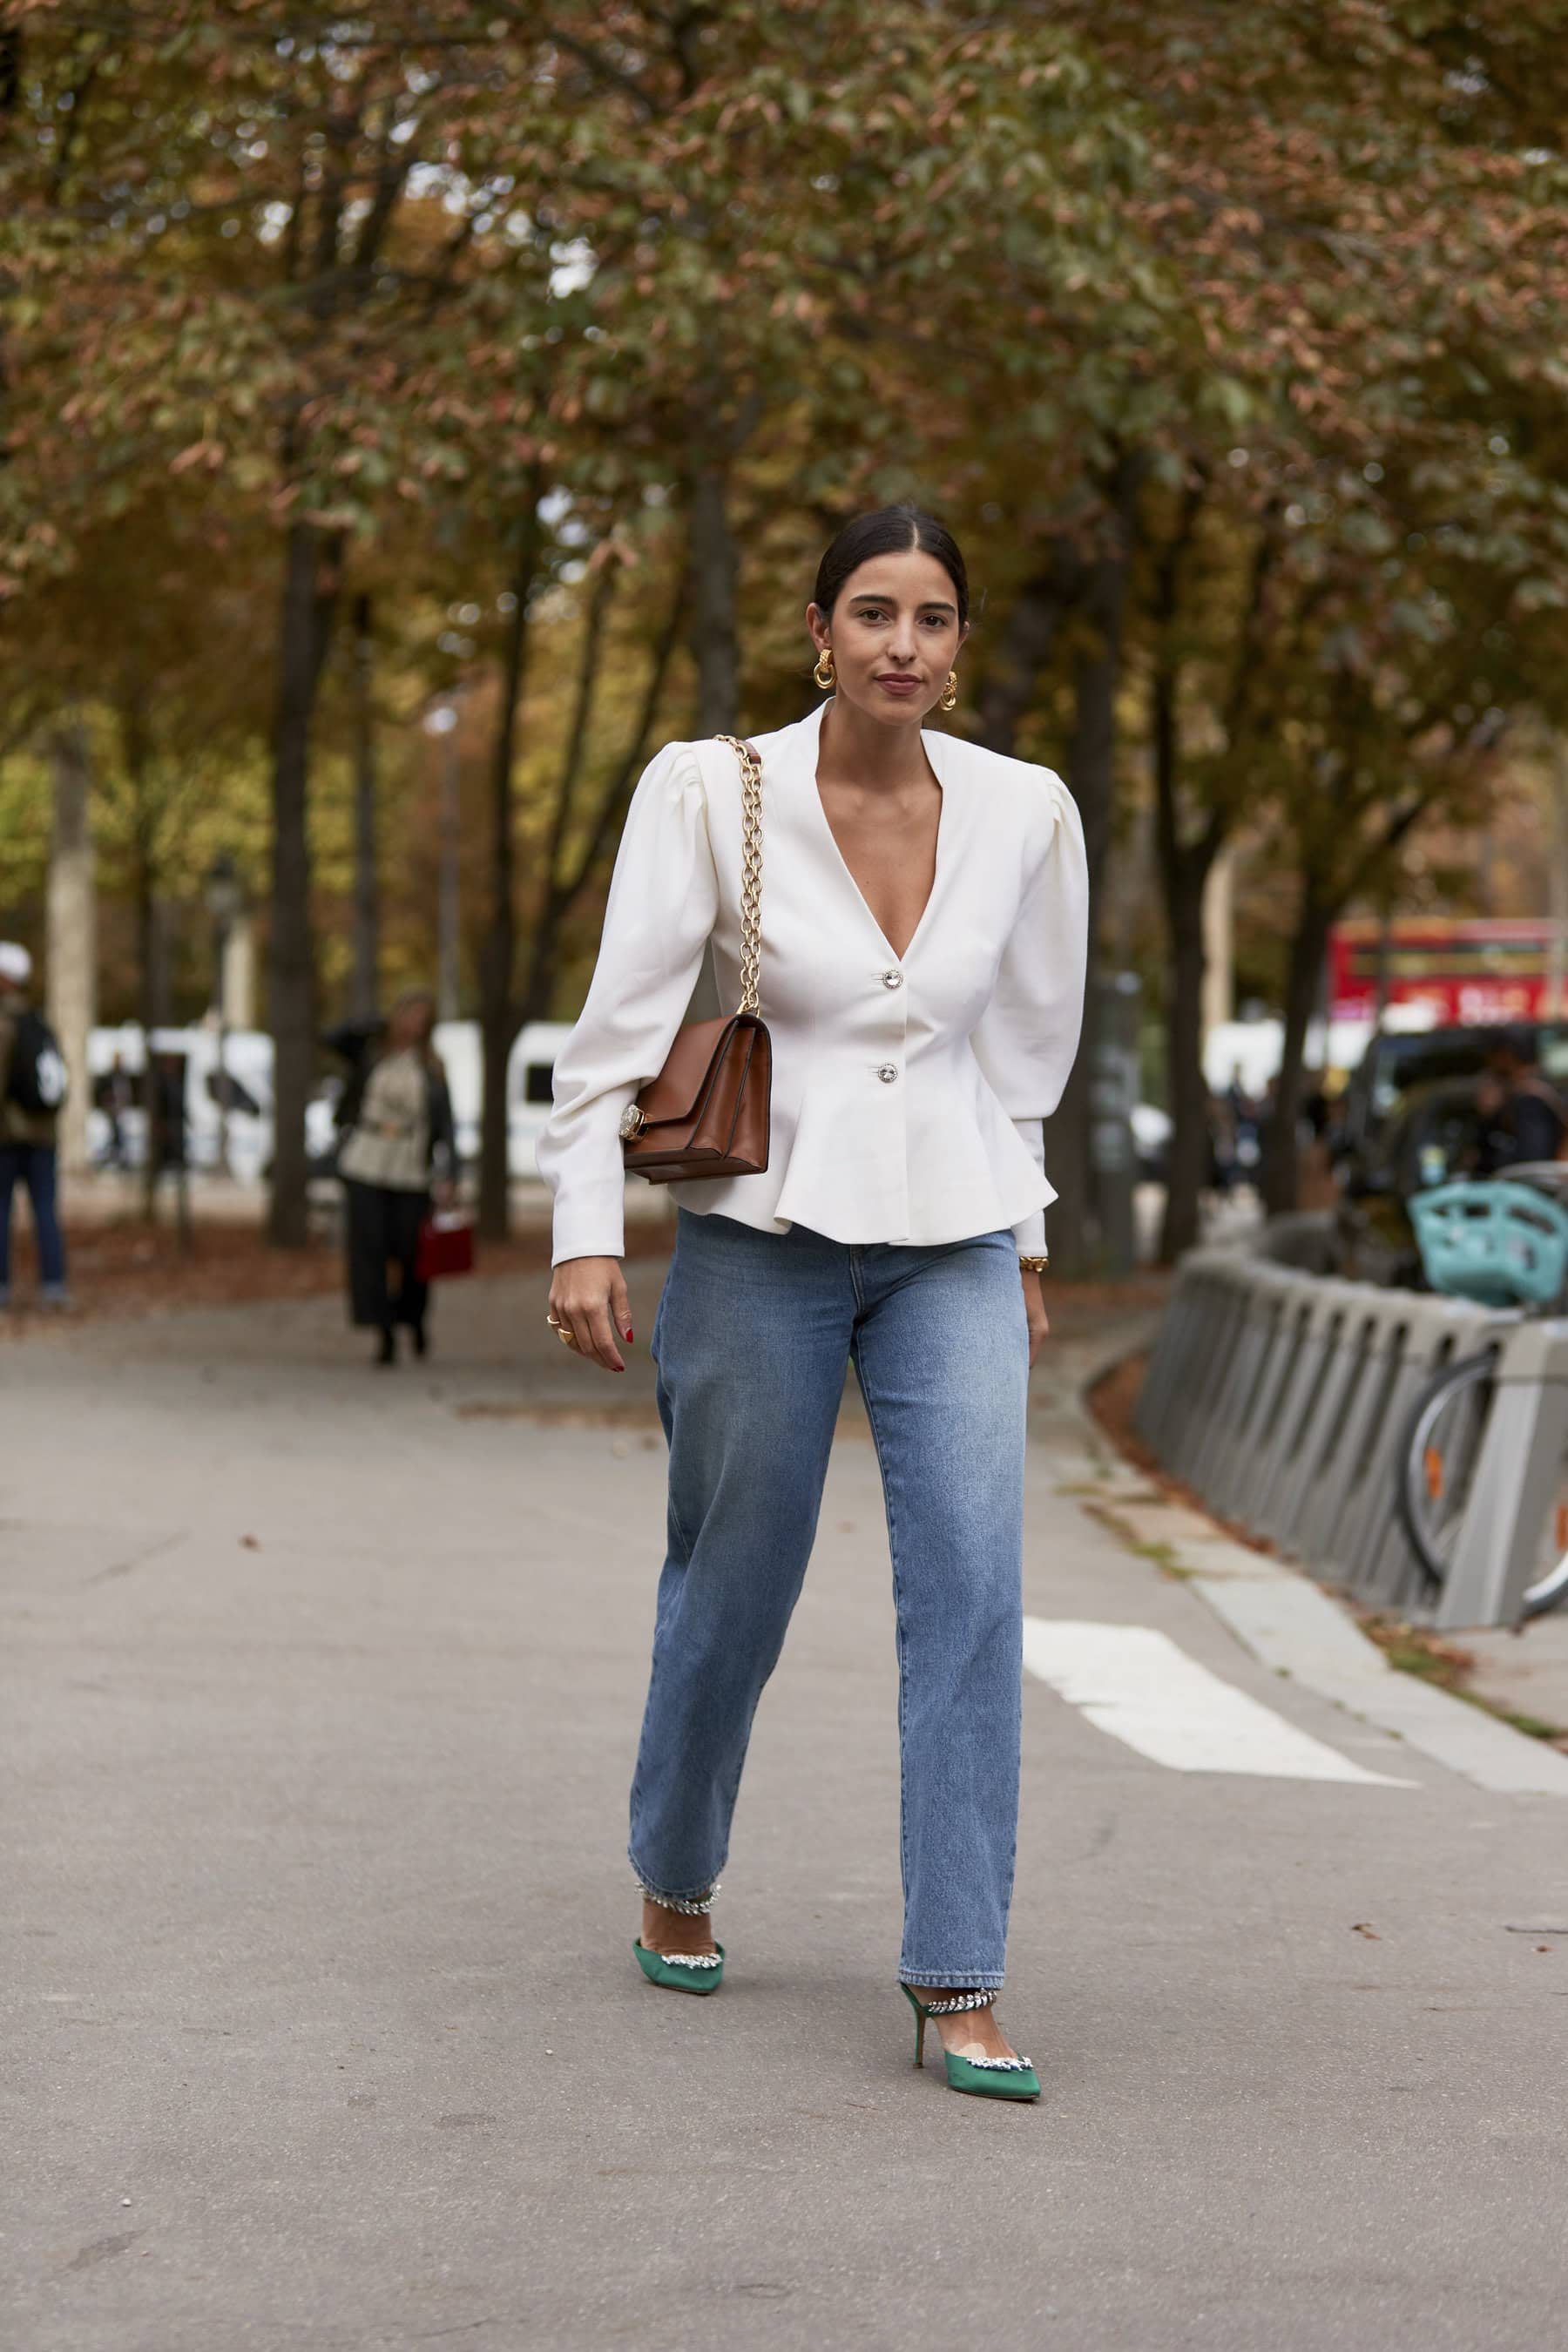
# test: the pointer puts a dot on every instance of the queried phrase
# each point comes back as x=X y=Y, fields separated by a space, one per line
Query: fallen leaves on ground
x=130 y=1268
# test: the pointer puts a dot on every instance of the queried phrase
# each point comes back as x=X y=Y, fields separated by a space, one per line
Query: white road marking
x=1143 y=1688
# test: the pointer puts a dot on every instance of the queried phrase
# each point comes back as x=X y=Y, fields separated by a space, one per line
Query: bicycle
x=1501 y=1242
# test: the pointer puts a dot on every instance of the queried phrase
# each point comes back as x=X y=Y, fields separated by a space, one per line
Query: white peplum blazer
x=907 y=1091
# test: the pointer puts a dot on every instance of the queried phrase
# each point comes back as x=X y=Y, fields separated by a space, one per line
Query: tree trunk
x=1074 y=1223
x=561 y=894
x=1190 y=1140
x=448 y=879
x=1185 y=866
x=72 y=931
x=310 y=595
x=1555 y=1003
x=1281 y=1157
x=365 y=987
x=498 y=956
x=149 y=999
x=1027 y=641
x=715 y=574
x=151 y=969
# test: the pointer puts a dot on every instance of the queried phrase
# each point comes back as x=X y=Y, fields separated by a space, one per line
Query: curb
x=1293 y=1626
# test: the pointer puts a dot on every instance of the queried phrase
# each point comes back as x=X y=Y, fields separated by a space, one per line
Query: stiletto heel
x=983 y=2078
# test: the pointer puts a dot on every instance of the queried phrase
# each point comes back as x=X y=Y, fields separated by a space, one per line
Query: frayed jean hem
x=961 y=1980
x=671 y=1895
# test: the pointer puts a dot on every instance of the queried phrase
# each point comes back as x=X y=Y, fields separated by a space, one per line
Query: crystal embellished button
x=892 y=980
x=888 y=1073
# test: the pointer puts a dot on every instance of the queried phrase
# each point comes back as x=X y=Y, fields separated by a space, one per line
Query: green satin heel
x=983 y=2078
x=689 y=1972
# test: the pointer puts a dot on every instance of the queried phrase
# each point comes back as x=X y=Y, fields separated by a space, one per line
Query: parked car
x=1398 y=1064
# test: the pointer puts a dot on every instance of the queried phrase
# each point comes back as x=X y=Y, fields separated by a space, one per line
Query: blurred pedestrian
x=924 y=911
x=32 y=1089
x=1245 y=1152
x=119 y=1094
x=1523 y=1118
x=395 y=1119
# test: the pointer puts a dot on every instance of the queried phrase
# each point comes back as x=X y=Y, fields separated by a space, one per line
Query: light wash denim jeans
x=751 y=1340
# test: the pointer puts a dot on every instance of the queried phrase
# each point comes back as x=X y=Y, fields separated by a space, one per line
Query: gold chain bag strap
x=706 y=1114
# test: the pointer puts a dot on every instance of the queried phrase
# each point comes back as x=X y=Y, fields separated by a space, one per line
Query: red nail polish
x=628 y=1330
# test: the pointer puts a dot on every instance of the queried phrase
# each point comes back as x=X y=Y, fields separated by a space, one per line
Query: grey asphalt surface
x=321 y=2028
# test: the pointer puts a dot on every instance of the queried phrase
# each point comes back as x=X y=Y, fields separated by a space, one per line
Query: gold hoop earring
x=825 y=661
x=950 y=691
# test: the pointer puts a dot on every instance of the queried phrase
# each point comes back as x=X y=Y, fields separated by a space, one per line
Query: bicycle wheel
x=1553 y=1587
x=1437 y=1468
x=1437 y=1460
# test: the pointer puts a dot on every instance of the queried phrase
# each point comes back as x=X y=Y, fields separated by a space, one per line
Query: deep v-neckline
x=943 y=788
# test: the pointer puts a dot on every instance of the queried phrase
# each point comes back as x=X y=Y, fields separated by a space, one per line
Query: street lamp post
x=225 y=896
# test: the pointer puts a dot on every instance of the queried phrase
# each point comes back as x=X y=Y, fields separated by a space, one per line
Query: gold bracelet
x=1035 y=1264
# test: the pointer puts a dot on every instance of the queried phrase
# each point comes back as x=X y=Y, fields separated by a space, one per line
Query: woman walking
x=396 y=1118
x=922 y=943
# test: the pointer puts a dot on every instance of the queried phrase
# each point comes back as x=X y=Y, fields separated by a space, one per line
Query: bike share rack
x=1281 y=1398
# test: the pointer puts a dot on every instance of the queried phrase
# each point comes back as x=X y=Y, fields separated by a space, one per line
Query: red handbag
x=446 y=1246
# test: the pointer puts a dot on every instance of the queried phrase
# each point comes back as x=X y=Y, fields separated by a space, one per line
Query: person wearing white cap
x=32 y=1088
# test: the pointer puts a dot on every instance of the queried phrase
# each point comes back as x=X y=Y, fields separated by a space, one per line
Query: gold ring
x=568 y=1337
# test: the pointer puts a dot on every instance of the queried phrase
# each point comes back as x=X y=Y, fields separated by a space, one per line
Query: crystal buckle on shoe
x=1004 y=2066
x=691 y=1959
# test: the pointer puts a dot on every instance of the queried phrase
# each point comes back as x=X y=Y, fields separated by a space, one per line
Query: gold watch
x=1035 y=1264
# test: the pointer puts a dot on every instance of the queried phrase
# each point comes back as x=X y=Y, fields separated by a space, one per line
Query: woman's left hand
x=1035 y=1302
x=444 y=1192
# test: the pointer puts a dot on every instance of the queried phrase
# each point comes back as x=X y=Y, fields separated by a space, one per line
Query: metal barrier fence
x=1282 y=1397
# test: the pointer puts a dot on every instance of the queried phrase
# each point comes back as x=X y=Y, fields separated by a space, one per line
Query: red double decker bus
x=1471 y=971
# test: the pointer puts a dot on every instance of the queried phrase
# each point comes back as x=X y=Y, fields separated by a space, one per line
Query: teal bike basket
x=1501 y=1245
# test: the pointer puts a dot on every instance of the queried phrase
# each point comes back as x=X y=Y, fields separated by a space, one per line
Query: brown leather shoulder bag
x=706 y=1114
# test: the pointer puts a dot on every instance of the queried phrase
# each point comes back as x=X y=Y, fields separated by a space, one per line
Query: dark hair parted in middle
x=892 y=530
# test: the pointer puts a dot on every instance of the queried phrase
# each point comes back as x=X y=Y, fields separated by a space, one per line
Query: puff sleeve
x=1027 y=1036
x=662 y=902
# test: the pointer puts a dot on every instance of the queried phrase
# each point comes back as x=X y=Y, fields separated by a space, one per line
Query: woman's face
x=411 y=1023
x=894 y=634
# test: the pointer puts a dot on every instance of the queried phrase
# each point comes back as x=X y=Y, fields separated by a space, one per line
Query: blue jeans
x=32 y=1164
x=752 y=1339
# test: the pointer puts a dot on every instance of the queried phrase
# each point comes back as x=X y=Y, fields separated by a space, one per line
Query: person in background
x=395 y=1119
x=1238 y=1153
x=31 y=1091
x=1523 y=1118
x=119 y=1094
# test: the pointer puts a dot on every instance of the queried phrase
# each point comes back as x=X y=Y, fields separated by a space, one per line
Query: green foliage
x=23 y=828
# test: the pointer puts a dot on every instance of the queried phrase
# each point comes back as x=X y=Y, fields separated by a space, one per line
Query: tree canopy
x=553 y=344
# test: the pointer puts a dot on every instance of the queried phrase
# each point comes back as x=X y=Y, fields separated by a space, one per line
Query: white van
x=248 y=1064
x=529 y=1071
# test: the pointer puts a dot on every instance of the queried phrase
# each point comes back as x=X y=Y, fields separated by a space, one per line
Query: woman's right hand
x=588 y=1294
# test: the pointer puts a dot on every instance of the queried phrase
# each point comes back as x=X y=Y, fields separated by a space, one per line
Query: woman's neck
x=854 y=748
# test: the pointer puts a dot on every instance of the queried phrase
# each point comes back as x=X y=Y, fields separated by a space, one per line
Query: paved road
x=322 y=2027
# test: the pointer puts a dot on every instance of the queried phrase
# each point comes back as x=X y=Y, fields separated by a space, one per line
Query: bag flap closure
x=677 y=1091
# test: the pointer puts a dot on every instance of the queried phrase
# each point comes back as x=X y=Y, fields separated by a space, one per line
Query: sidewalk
x=321 y=1688
x=1527 y=1670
